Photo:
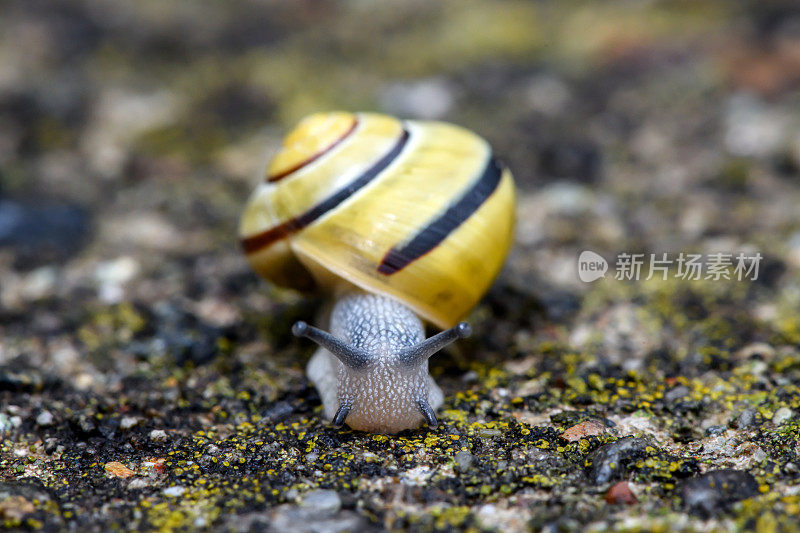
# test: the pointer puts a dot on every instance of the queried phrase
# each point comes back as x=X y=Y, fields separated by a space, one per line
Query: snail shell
x=419 y=211
x=397 y=219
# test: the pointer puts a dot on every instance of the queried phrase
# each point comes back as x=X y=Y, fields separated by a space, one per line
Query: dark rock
x=770 y=271
x=83 y=426
x=747 y=419
x=676 y=394
x=199 y=347
x=544 y=458
x=15 y=379
x=42 y=233
x=182 y=335
x=683 y=433
x=576 y=160
x=62 y=104
x=715 y=491
x=560 y=305
x=611 y=461
x=277 y=412
x=713 y=431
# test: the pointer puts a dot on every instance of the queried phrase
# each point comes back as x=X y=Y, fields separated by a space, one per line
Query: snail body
x=401 y=221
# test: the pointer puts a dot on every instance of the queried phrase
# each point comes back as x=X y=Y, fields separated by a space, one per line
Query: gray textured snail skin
x=371 y=370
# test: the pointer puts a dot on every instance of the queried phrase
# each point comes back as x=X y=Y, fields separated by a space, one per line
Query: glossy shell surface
x=416 y=210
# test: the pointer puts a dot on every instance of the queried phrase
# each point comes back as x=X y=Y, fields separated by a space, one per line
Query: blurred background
x=138 y=129
x=131 y=134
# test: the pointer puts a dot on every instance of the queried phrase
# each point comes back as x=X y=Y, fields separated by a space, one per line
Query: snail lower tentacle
x=427 y=412
x=340 y=416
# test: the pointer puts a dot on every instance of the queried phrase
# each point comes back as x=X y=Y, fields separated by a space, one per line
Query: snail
x=400 y=221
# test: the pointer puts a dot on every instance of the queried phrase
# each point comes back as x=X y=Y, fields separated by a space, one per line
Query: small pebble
x=751 y=127
x=39 y=283
x=84 y=425
x=117 y=469
x=610 y=461
x=419 y=475
x=128 y=422
x=782 y=415
x=139 y=483
x=584 y=429
x=175 y=491
x=749 y=454
x=157 y=465
x=677 y=393
x=429 y=98
x=158 y=435
x=277 y=412
x=112 y=275
x=464 y=460
x=322 y=502
x=747 y=419
x=305 y=520
x=5 y=423
x=547 y=94
x=469 y=377
x=543 y=457
x=621 y=493
x=45 y=418
x=713 y=431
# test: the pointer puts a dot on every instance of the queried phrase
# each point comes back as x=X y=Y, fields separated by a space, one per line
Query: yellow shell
x=417 y=210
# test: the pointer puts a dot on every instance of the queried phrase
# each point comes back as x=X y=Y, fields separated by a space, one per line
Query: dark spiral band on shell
x=261 y=240
x=400 y=256
x=280 y=175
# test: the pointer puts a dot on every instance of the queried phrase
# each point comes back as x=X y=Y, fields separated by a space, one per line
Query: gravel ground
x=149 y=380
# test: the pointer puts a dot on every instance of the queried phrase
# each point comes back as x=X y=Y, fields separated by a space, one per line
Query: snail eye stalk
x=349 y=356
x=415 y=355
